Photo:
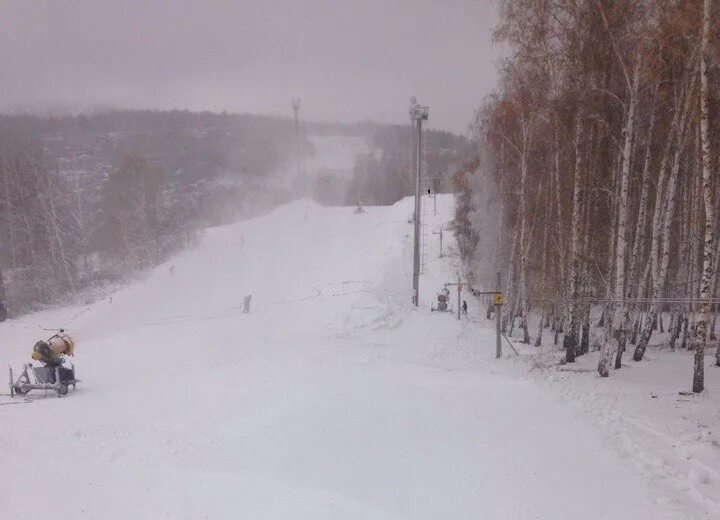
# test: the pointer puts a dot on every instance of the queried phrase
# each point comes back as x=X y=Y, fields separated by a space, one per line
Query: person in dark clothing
x=464 y=307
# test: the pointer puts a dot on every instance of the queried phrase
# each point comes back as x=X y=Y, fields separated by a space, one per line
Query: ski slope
x=332 y=399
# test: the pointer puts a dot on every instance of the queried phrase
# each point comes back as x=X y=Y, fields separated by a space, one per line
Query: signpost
x=498 y=298
x=498 y=301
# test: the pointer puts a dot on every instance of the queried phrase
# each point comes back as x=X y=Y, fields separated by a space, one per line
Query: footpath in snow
x=334 y=398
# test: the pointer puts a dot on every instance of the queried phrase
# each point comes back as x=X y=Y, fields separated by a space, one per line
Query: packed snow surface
x=333 y=398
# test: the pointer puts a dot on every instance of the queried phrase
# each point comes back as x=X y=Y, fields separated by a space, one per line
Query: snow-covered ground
x=647 y=413
x=334 y=398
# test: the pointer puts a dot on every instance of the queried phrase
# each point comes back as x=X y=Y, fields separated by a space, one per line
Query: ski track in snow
x=334 y=398
x=669 y=438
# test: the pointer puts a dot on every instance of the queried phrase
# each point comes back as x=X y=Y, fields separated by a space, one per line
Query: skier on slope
x=246 y=304
x=464 y=308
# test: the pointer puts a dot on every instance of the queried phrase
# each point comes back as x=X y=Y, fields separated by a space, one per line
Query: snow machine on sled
x=54 y=373
x=443 y=298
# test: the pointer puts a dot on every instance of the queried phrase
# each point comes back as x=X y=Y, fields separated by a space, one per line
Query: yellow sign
x=499 y=298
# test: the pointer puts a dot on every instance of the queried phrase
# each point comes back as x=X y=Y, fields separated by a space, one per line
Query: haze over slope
x=333 y=398
x=131 y=188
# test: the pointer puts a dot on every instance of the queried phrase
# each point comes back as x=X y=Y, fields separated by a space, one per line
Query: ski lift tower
x=296 y=110
x=418 y=114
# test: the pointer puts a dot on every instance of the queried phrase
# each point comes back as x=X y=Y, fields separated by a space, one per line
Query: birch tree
x=708 y=199
x=621 y=96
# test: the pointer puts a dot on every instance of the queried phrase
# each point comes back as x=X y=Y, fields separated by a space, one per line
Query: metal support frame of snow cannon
x=23 y=384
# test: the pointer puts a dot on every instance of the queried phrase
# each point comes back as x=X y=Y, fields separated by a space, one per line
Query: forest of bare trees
x=602 y=141
x=88 y=200
x=64 y=230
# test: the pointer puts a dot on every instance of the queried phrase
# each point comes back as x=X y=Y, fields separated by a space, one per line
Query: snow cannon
x=51 y=352
x=54 y=373
x=443 y=299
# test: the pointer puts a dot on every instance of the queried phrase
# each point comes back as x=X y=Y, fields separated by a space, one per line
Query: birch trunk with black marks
x=619 y=323
x=522 y=290
x=511 y=282
x=705 y=307
x=662 y=217
x=570 y=339
x=543 y=269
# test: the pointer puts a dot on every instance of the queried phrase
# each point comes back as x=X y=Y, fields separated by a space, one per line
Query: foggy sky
x=349 y=60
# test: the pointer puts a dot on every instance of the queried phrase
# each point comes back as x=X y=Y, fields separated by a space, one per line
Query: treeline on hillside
x=604 y=148
x=92 y=198
x=189 y=145
x=65 y=230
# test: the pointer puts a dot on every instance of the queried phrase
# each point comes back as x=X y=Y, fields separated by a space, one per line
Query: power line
x=631 y=300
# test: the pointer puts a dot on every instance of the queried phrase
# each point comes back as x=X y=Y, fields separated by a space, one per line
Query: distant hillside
x=88 y=198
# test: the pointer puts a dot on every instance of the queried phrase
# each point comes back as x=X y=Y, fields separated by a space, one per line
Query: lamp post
x=418 y=114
